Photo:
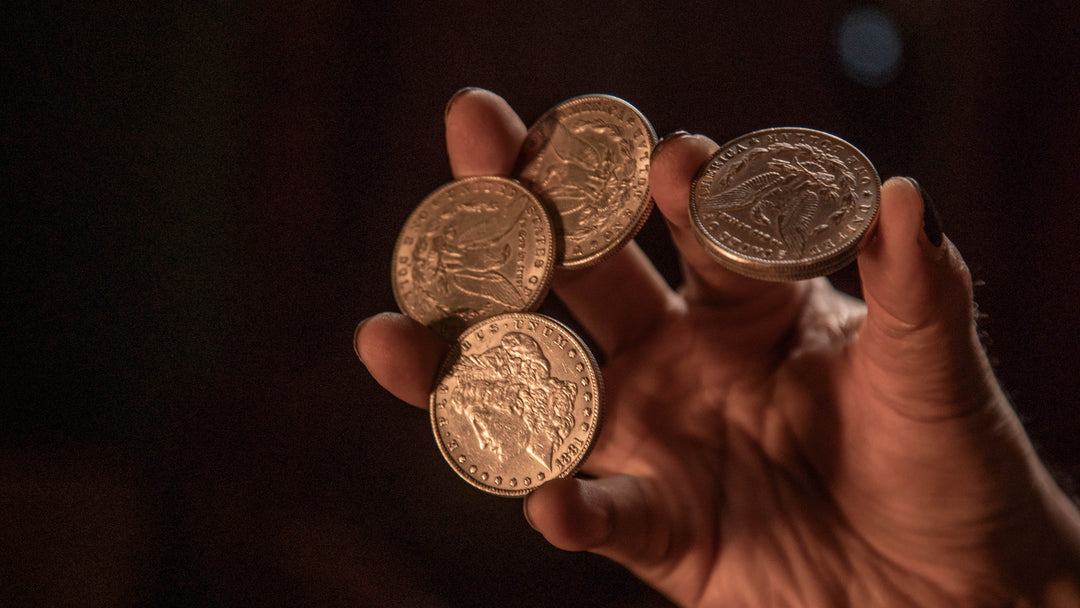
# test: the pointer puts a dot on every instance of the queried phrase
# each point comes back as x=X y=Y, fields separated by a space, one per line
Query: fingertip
x=900 y=217
x=675 y=162
x=483 y=133
x=456 y=96
x=904 y=271
x=931 y=218
x=356 y=339
x=362 y=344
x=401 y=354
x=569 y=513
x=666 y=140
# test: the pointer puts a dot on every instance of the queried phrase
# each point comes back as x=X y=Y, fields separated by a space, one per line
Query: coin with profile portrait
x=588 y=160
x=517 y=403
x=474 y=248
x=784 y=204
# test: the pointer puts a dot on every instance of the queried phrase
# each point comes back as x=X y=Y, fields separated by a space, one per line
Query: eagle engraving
x=587 y=173
x=795 y=191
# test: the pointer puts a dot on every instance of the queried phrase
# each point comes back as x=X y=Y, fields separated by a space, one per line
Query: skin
x=781 y=443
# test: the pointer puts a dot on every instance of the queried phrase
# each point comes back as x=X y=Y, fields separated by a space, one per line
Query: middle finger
x=615 y=301
x=675 y=162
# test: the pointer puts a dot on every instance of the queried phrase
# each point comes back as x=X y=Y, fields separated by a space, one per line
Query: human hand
x=781 y=443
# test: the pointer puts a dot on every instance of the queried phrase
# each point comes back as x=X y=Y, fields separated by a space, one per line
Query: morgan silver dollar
x=517 y=403
x=784 y=204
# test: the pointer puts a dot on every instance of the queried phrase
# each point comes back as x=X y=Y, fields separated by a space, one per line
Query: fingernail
x=670 y=137
x=931 y=217
x=454 y=98
x=356 y=338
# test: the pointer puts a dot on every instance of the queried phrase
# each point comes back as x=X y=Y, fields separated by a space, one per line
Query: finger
x=617 y=301
x=609 y=516
x=920 y=330
x=675 y=162
x=483 y=134
x=483 y=137
x=402 y=355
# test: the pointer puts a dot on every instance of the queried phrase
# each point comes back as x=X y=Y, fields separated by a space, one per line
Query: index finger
x=483 y=137
x=483 y=134
x=675 y=162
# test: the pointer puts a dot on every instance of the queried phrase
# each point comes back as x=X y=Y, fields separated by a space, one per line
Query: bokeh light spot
x=870 y=46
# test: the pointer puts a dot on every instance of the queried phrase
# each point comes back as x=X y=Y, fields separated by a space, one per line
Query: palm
x=769 y=444
x=738 y=452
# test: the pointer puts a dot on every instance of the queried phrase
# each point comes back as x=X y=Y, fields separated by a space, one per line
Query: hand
x=782 y=443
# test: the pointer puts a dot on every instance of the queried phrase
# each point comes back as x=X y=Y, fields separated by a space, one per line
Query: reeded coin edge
x=778 y=273
x=595 y=377
x=549 y=261
x=646 y=209
x=783 y=270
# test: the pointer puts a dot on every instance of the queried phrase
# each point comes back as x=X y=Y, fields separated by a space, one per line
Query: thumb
x=920 y=337
x=608 y=516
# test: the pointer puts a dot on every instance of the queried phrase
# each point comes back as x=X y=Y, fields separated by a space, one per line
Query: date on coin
x=516 y=403
x=784 y=204
x=474 y=248
x=588 y=159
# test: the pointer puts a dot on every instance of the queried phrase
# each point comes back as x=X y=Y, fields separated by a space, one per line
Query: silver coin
x=516 y=403
x=588 y=159
x=784 y=204
x=474 y=248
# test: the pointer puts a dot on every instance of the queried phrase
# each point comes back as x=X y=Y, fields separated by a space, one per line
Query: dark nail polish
x=454 y=98
x=931 y=218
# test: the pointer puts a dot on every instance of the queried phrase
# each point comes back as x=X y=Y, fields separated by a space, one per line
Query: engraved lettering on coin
x=588 y=158
x=515 y=405
x=472 y=249
x=784 y=204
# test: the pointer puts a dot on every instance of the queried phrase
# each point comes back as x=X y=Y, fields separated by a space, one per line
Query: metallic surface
x=784 y=204
x=588 y=159
x=474 y=248
x=516 y=403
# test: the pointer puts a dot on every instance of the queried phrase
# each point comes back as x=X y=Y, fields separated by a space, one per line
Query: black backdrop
x=200 y=203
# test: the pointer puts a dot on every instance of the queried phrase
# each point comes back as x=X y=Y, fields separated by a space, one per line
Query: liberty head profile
x=512 y=402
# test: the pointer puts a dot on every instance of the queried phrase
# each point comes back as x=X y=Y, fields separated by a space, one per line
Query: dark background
x=200 y=201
